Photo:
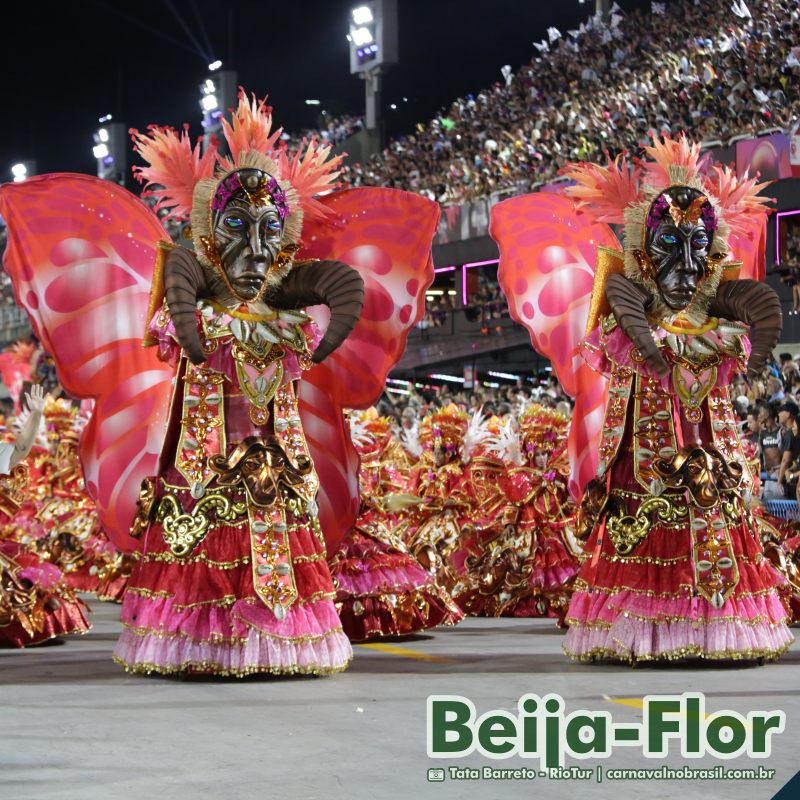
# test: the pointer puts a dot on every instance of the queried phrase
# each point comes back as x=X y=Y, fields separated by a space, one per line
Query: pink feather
x=251 y=127
x=311 y=173
x=738 y=197
x=174 y=166
x=667 y=153
x=604 y=191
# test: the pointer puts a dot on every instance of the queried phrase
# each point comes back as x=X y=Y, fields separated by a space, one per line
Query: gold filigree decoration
x=627 y=531
x=183 y=532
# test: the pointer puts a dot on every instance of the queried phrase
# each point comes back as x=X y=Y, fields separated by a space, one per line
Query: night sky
x=67 y=63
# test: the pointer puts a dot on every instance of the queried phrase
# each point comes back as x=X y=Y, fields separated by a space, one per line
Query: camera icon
x=436 y=774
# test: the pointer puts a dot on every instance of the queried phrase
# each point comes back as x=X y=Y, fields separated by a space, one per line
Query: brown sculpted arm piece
x=184 y=281
x=333 y=283
x=755 y=304
x=628 y=303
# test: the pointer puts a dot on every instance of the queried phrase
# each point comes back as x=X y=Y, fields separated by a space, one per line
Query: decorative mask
x=703 y=471
x=247 y=213
x=678 y=232
x=263 y=468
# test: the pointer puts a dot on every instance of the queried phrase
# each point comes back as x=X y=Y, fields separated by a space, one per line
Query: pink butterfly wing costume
x=671 y=569
x=232 y=576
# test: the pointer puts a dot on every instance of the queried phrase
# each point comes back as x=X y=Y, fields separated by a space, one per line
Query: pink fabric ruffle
x=377 y=580
x=628 y=625
x=209 y=621
x=159 y=636
x=258 y=653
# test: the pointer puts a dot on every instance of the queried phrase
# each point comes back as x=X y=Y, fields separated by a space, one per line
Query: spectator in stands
x=607 y=87
x=790 y=448
x=752 y=428
x=772 y=445
x=775 y=393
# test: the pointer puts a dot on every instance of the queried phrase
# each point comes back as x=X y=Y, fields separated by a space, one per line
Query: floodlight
x=100 y=150
x=362 y=15
x=209 y=102
x=19 y=171
x=312 y=102
x=214 y=65
x=102 y=135
x=361 y=36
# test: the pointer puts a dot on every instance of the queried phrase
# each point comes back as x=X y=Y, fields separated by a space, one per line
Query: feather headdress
x=621 y=193
x=505 y=445
x=187 y=183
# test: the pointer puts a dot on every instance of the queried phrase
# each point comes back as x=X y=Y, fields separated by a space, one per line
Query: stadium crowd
x=607 y=87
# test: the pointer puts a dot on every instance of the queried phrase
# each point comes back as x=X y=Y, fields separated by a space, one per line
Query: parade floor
x=74 y=725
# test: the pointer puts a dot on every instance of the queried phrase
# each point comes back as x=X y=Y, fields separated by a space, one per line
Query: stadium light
x=214 y=65
x=361 y=36
x=102 y=135
x=362 y=15
x=209 y=102
x=372 y=35
x=106 y=118
x=20 y=172
x=312 y=102
x=100 y=150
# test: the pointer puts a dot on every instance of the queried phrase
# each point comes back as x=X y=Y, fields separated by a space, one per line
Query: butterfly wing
x=386 y=235
x=548 y=251
x=80 y=255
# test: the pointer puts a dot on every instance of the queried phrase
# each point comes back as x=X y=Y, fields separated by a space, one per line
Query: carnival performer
x=65 y=527
x=674 y=566
x=35 y=604
x=255 y=467
x=382 y=590
x=431 y=527
x=477 y=571
x=526 y=565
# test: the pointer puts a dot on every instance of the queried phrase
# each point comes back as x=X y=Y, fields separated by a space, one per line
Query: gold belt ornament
x=626 y=531
x=182 y=531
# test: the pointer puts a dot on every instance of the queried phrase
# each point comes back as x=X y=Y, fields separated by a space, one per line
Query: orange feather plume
x=310 y=173
x=738 y=197
x=250 y=127
x=668 y=153
x=605 y=191
x=173 y=165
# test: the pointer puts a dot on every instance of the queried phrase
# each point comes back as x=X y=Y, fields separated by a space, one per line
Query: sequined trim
x=680 y=653
x=148 y=593
x=214 y=640
x=662 y=619
x=218 y=669
x=227 y=600
x=199 y=558
x=581 y=585
x=616 y=559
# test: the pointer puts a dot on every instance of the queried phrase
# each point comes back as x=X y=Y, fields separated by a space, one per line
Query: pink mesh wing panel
x=80 y=254
x=547 y=259
x=386 y=235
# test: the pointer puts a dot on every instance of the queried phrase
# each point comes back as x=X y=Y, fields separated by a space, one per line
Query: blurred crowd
x=712 y=68
x=789 y=269
x=407 y=404
x=332 y=130
x=768 y=407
